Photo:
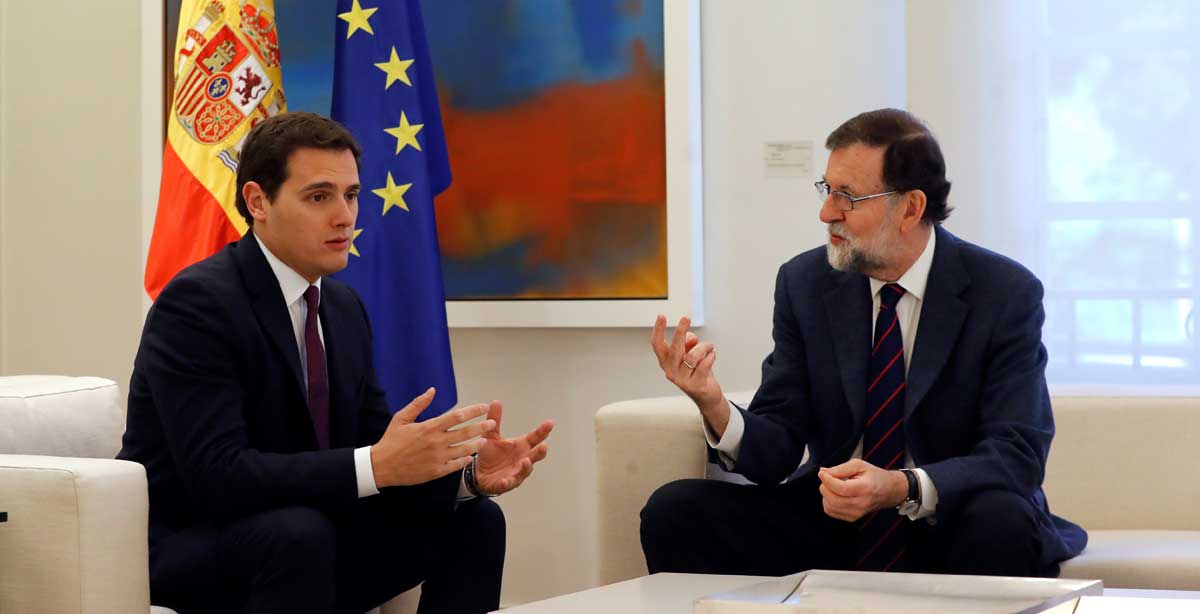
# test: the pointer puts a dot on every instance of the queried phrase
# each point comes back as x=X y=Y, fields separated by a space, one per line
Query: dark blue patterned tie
x=882 y=534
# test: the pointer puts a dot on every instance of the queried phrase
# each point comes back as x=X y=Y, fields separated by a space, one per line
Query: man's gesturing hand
x=856 y=488
x=688 y=363
x=413 y=453
x=505 y=463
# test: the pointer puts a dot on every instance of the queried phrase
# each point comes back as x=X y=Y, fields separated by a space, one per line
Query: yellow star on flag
x=392 y=194
x=396 y=69
x=354 y=250
x=405 y=133
x=358 y=18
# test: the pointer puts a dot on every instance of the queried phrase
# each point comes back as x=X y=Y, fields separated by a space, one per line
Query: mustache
x=839 y=229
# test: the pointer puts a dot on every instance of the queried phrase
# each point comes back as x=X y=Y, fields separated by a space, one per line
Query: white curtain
x=1070 y=131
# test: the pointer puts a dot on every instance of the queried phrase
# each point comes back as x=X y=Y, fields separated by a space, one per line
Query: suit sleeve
x=1016 y=424
x=376 y=415
x=188 y=357
x=776 y=424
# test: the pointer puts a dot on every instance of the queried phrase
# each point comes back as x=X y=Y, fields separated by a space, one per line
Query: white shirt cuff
x=727 y=448
x=929 y=496
x=364 y=472
x=463 y=493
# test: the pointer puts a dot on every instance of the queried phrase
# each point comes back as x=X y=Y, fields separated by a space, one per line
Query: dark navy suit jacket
x=977 y=412
x=218 y=413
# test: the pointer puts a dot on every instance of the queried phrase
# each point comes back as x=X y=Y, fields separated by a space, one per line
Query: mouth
x=836 y=239
x=338 y=244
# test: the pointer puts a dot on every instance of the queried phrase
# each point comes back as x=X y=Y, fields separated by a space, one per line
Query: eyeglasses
x=842 y=200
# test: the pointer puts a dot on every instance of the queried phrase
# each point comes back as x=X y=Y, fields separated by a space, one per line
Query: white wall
x=71 y=231
x=72 y=159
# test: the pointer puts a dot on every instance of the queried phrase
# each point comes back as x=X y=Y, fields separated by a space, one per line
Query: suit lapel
x=942 y=316
x=848 y=307
x=266 y=299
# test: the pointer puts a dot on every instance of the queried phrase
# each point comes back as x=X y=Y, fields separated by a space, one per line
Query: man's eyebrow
x=329 y=185
x=320 y=185
x=845 y=187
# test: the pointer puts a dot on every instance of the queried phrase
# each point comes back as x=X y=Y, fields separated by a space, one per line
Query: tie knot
x=312 y=297
x=890 y=295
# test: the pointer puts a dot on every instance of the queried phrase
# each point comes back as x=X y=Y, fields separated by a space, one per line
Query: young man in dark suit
x=279 y=479
x=902 y=422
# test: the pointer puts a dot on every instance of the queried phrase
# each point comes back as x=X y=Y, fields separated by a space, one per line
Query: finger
x=681 y=330
x=539 y=434
x=412 y=410
x=849 y=468
x=523 y=471
x=834 y=484
x=690 y=341
x=454 y=464
x=832 y=510
x=658 y=339
x=705 y=366
x=697 y=354
x=495 y=411
x=457 y=416
x=462 y=452
x=538 y=453
x=469 y=432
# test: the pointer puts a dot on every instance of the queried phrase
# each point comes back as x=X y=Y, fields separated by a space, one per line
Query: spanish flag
x=227 y=78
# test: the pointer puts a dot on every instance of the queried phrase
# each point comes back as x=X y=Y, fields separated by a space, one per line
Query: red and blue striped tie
x=882 y=534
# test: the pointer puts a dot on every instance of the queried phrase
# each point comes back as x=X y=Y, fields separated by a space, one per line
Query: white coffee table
x=673 y=593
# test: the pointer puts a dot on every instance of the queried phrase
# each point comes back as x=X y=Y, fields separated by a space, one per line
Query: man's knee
x=998 y=534
x=673 y=506
x=999 y=518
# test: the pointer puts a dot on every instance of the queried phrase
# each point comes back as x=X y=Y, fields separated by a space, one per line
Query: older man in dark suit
x=902 y=422
x=279 y=479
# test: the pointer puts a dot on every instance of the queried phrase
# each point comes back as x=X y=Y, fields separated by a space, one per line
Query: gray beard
x=850 y=259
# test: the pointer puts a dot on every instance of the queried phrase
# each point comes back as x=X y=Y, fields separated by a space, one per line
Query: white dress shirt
x=908 y=310
x=293 y=286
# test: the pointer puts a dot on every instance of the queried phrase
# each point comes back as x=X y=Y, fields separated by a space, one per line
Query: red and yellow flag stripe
x=227 y=78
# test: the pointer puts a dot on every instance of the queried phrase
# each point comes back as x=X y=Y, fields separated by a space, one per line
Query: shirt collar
x=916 y=277
x=291 y=283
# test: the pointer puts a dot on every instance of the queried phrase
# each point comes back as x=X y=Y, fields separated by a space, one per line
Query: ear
x=914 y=209
x=256 y=201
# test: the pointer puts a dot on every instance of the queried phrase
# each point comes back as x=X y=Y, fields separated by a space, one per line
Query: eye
x=318 y=197
x=352 y=196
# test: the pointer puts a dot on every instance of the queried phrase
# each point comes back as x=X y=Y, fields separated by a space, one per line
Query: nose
x=830 y=212
x=346 y=212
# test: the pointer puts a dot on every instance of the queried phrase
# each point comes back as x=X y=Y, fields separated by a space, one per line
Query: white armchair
x=75 y=538
x=1117 y=467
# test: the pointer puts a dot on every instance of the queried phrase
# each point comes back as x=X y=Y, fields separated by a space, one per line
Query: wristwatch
x=912 y=502
x=470 y=480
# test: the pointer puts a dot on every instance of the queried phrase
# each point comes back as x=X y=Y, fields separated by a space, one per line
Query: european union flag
x=383 y=91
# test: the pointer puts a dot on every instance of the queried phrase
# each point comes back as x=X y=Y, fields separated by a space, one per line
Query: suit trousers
x=301 y=559
x=707 y=526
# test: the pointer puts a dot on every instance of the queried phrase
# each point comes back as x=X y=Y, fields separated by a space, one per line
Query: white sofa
x=1121 y=467
x=75 y=538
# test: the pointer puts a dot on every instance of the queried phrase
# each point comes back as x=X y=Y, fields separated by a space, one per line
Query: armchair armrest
x=640 y=446
x=76 y=536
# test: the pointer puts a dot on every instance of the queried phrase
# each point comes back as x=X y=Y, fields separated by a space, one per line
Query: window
x=1119 y=250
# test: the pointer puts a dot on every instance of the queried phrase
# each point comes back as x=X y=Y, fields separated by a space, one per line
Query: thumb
x=409 y=414
x=846 y=470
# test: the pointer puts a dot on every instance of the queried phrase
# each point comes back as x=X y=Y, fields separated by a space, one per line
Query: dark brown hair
x=264 y=156
x=912 y=161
